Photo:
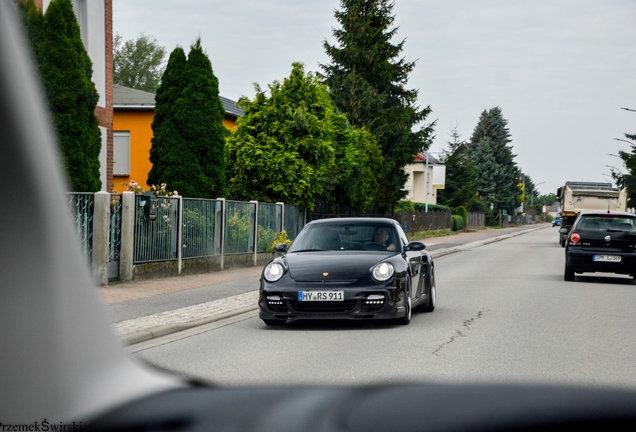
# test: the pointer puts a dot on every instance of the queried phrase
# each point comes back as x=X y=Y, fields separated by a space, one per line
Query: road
x=504 y=314
x=167 y=302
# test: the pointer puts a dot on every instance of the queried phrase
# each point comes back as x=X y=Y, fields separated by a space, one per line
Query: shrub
x=282 y=238
x=405 y=205
x=457 y=222
x=461 y=211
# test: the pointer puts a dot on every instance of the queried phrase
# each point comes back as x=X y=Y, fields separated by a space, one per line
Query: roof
x=352 y=220
x=421 y=157
x=133 y=99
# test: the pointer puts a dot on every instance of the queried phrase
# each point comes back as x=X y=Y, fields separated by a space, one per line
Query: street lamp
x=532 y=195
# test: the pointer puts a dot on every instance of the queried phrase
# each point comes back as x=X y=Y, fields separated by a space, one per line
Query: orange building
x=133 y=111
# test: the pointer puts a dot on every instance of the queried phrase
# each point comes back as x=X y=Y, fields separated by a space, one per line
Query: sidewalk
x=159 y=324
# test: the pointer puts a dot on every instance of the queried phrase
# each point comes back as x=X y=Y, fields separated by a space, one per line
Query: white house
x=419 y=185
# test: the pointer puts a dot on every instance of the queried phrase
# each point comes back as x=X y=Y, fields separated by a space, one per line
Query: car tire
x=562 y=240
x=568 y=274
x=408 y=310
x=274 y=322
x=432 y=295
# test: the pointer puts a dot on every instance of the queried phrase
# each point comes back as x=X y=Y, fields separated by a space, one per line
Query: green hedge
x=457 y=222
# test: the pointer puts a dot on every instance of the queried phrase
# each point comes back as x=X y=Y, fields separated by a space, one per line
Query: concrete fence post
x=126 y=253
x=101 y=236
x=255 y=231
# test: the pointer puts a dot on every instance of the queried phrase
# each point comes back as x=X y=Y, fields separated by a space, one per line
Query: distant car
x=348 y=268
x=556 y=221
x=601 y=242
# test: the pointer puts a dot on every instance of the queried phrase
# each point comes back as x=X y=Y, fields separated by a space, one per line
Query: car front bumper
x=358 y=303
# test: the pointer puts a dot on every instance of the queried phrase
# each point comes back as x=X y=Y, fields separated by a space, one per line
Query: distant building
x=418 y=185
x=133 y=112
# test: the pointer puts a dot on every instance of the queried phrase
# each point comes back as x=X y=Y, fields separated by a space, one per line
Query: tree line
x=342 y=136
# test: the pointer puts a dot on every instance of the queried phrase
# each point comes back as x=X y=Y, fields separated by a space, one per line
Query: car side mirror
x=563 y=230
x=281 y=247
x=415 y=246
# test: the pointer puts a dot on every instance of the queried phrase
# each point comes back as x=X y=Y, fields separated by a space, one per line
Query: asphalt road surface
x=504 y=314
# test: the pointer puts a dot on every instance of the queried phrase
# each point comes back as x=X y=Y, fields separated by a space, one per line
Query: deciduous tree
x=138 y=63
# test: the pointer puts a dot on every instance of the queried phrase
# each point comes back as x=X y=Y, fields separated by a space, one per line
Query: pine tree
x=188 y=147
x=462 y=176
x=499 y=174
x=367 y=79
x=66 y=72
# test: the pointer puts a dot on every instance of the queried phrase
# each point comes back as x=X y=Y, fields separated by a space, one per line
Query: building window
x=121 y=153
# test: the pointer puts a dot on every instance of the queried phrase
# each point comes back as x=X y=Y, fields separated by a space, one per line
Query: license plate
x=320 y=296
x=607 y=258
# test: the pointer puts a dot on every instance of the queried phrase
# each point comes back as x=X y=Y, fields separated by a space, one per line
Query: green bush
x=282 y=238
x=461 y=211
x=457 y=222
x=405 y=205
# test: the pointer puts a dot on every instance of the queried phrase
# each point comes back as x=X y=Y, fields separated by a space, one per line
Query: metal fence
x=294 y=221
x=269 y=225
x=239 y=227
x=156 y=240
x=82 y=207
x=200 y=237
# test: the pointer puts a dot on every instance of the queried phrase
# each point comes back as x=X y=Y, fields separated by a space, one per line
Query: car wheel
x=562 y=240
x=432 y=295
x=407 y=303
x=274 y=322
x=568 y=274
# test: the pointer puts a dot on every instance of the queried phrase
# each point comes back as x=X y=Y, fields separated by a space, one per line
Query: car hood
x=333 y=266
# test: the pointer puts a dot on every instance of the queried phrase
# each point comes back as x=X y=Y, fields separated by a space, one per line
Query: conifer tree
x=188 y=148
x=462 y=176
x=628 y=180
x=367 y=80
x=66 y=72
x=499 y=174
x=166 y=130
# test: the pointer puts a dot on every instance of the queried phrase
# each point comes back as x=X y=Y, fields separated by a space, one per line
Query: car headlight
x=383 y=271
x=273 y=272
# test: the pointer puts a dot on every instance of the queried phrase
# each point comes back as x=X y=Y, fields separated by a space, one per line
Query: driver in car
x=381 y=236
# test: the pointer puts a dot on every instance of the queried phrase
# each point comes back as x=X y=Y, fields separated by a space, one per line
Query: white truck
x=576 y=197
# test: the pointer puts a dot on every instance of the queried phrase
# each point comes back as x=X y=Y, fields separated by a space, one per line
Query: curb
x=166 y=329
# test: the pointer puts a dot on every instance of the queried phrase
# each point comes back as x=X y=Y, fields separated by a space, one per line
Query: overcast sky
x=559 y=69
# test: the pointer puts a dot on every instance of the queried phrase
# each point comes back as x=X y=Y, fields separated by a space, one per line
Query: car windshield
x=345 y=236
x=194 y=138
x=607 y=223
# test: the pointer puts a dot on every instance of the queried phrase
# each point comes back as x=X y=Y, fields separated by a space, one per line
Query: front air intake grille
x=323 y=307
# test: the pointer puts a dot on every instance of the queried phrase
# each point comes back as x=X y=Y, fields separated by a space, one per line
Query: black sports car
x=348 y=268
